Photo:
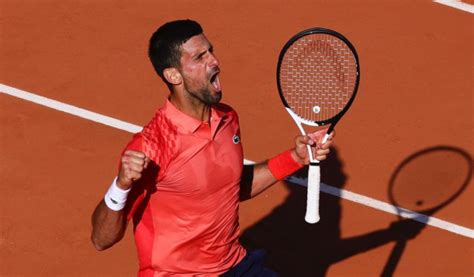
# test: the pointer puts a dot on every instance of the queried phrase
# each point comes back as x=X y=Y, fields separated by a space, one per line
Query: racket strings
x=318 y=74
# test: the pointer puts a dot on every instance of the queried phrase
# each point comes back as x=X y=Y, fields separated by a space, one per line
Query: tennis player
x=181 y=178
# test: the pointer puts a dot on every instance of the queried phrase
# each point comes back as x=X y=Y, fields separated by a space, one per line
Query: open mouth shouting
x=214 y=80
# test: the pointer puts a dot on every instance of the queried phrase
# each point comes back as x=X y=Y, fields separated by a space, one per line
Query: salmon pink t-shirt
x=185 y=207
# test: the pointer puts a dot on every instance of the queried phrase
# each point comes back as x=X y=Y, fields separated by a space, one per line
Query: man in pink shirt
x=182 y=177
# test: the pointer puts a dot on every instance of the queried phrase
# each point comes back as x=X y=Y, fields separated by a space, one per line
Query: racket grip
x=325 y=138
x=312 y=201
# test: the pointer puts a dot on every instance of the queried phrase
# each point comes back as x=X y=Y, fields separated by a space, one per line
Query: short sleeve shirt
x=185 y=207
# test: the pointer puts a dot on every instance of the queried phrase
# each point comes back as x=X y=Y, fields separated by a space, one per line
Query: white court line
x=457 y=4
x=382 y=206
x=345 y=194
x=70 y=109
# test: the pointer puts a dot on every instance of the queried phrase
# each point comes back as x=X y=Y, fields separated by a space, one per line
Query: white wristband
x=115 y=198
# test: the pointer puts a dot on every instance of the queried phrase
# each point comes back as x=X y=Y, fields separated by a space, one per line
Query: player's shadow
x=296 y=248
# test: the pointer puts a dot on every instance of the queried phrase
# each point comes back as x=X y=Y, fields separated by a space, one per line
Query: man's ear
x=172 y=75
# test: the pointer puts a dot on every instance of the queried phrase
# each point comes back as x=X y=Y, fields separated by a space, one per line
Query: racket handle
x=325 y=138
x=312 y=201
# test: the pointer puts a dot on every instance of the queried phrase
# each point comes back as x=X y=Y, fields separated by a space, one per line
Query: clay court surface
x=415 y=93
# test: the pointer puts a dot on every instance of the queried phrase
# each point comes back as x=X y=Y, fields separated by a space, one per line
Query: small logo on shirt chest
x=236 y=139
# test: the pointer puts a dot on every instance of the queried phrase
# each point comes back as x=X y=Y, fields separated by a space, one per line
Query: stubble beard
x=205 y=96
x=210 y=99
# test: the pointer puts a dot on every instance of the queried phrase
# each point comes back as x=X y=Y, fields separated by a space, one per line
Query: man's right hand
x=131 y=169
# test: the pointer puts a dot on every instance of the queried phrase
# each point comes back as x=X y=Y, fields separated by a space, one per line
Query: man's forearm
x=108 y=226
x=109 y=219
x=258 y=177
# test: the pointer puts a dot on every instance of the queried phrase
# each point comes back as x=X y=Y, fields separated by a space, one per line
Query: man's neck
x=192 y=107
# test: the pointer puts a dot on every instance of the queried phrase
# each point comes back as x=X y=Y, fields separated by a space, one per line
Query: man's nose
x=213 y=60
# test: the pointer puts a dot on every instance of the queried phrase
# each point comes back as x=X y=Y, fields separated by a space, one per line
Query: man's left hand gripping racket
x=317 y=77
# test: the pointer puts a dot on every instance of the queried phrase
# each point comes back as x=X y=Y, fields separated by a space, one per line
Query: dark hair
x=164 y=46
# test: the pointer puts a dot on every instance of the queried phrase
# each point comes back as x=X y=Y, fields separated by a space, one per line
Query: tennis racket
x=317 y=76
x=424 y=183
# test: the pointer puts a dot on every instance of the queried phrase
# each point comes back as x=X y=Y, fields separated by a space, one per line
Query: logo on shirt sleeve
x=236 y=139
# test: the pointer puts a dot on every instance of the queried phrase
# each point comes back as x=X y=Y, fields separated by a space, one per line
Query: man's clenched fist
x=131 y=170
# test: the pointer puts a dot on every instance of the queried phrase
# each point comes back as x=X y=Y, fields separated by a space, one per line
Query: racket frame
x=335 y=119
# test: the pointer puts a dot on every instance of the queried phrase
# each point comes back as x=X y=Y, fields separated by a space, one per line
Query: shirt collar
x=186 y=123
